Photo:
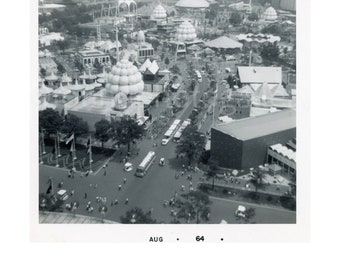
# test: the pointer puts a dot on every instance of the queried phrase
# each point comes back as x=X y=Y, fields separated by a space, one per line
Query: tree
x=195 y=206
x=103 y=128
x=192 y=144
x=127 y=130
x=43 y=72
x=212 y=171
x=76 y=125
x=253 y=17
x=51 y=204
x=235 y=18
x=97 y=65
x=61 y=68
x=50 y=121
x=137 y=216
x=166 y=61
x=257 y=179
x=273 y=29
x=249 y=214
x=270 y=52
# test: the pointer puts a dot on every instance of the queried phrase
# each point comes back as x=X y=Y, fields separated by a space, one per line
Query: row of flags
x=71 y=139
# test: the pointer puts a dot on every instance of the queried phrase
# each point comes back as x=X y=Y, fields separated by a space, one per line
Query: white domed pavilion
x=159 y=13
x=140 y=37
x=126 y=78
x=270 y=14
x=186 y=32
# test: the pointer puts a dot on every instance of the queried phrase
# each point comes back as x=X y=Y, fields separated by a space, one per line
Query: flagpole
x=73 y=158
x=90 y=148
x=56 y=152
x=58 y=145
x=74 y=147
x=43 y=143
x=40 y=154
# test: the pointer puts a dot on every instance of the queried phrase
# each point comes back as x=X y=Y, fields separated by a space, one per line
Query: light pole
x=40 y=154
x=56 y=153
x=58 y=145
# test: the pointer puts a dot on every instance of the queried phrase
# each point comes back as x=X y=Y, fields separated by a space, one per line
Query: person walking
x=116 y=201
x=124 y=181
x=126 y=200
x=119 y=187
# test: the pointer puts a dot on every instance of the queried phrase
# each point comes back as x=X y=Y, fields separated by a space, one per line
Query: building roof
x=149 y=67
x=260 y=74
x=223 y=42
x=284 y=151
x=258 y=126
x=192 y=4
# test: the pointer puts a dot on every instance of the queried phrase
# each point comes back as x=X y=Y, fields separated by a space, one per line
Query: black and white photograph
x=167 y=112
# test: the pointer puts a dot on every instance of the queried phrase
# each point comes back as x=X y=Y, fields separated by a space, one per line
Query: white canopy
x=224 y=42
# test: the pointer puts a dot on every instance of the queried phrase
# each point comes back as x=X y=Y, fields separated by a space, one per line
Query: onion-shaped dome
x=46 y=105
x=124 y=77
x=159 y=12
x=186 y=32
x=76 y=86
x=62 y=90
x=270 y=14
x=120 y=101
x=44 y=90
x=140 y=37
x=51 y=77
x=88 y=87
x=96 y=84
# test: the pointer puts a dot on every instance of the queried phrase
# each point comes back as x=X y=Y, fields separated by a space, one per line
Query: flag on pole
x=49 y=190
x=70 y=139
x=89 y=146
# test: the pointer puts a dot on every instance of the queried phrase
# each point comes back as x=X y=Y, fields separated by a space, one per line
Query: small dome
x=270 y=14
x=62 y=90
x=140 y=37
x=186 y=32
x=159 y=12
x=44 y=90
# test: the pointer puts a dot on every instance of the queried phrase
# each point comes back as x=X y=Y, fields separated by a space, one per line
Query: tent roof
x=260 y=74
x=223 y=42
x=279 y=91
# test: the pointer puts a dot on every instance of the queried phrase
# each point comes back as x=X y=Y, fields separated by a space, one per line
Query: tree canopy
x=50 y=120
x=253 y=17
x=126 y=130
x=235 y=18
x=212 y=171
x=76 y=125
x=192 y=143
x=270 y=52
x=103 y=128
x=137 y=216
x=194 y=206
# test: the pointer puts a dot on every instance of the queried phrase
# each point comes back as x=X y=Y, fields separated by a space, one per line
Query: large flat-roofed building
x=89 y=57
x=243 y=144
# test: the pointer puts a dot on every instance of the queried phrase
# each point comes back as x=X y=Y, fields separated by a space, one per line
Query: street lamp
x=102 y=210
x=43 y=141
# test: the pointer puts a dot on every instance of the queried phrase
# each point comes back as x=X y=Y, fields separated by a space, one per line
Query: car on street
x=240 y=211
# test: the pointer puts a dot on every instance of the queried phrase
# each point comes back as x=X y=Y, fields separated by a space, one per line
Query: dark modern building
x=243 y=143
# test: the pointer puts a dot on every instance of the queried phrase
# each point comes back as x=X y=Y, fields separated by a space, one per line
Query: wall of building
x=225 y=149
x=236 y=154
x=90 y=118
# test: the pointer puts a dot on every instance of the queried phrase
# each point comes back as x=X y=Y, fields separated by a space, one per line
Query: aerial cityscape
x=167 y=111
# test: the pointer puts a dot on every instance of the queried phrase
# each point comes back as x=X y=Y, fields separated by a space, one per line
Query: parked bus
x=198 y=75
x=145 y=164
x=179 y=132
x=171 y=131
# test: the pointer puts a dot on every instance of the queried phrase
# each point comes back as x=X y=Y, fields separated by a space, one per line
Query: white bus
x=145 y=164
x=198 y=75
x=171 y=131
x=179 y=132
